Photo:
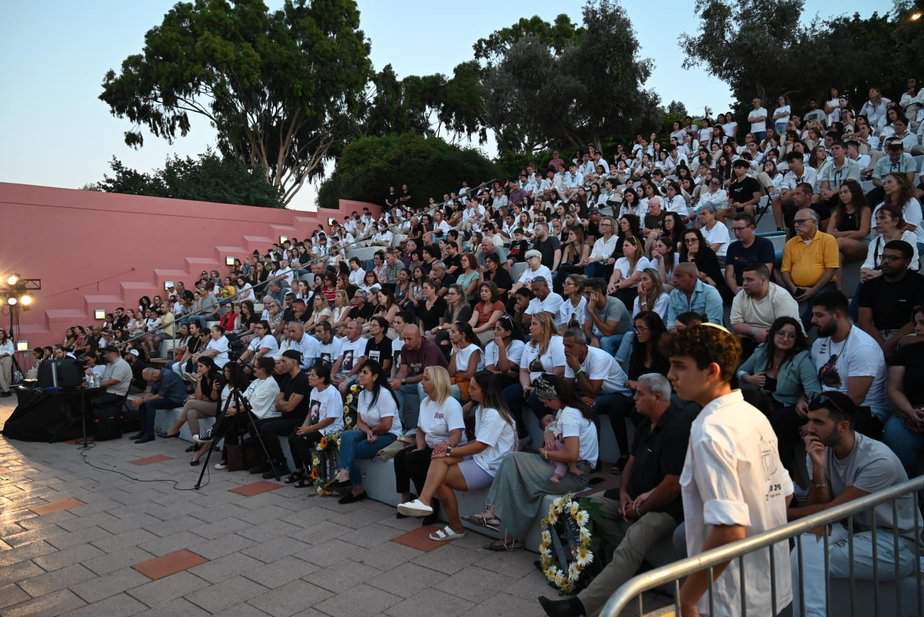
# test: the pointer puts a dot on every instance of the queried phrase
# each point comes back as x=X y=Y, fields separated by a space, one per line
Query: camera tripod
x=243 y=407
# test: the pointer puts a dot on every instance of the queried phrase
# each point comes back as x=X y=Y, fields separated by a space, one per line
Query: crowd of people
x=630 y=284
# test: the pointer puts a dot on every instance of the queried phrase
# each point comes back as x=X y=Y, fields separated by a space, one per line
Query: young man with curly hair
x=733 y=484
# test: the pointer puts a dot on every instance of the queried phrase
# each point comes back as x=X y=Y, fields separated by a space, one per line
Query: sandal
x=446 y=534
x=505 y=544
x=485 y=519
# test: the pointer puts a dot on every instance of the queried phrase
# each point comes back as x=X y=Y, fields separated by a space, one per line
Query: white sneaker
x=415 y=508
x=220 y=466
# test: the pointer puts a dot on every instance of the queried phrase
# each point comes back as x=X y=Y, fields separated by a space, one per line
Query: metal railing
x=634 y=589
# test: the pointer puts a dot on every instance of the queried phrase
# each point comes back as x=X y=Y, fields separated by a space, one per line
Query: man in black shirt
x=743 y=193
x=292 y=402
x=378 y=346
x=749 y=249
x=649 y=506
x=361 y=309
x=549 y=247
x=886 y=301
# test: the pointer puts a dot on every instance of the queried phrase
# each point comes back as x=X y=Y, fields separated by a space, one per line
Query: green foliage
x=557 y=36
x=759 y=48
x=282 y=89
x=428 y=165
x=207 y=178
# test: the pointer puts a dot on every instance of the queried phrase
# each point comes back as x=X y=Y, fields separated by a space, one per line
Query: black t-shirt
x=892 y=302
x=364 y=312
x=501 y=278
x=380 y=352
x=740 y=192
x=912 y=358
x=547 y=247
x=297 y=385
x=739 y=256
x=660 y=452
x=429 y=319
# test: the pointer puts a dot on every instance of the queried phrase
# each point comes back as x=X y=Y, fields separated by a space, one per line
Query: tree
x=282 y=89
x=206 y=178
x=428 y=165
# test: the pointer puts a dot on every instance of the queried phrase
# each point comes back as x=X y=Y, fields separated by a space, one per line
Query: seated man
x=757 y=306
x=292 y=404
x=846 y=465
x=649 y=506
x=167 y=391
x=748 y=249
x=811 y=260
x=297 y=339
x=417 y=353
x=352 y=357
x=534 y=269
x=886 y=301
x=607 y=320
x=690 y=294
x=601 y=383
x=116 y=378
x=330 y=346
x=544 y=299
x=792 y=190
x=743 y=193
x=849 y=360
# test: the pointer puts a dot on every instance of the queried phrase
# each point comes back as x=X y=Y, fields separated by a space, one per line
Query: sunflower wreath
x=564 y=548
x=326 y=455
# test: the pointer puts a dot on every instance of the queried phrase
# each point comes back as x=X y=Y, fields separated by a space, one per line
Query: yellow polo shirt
x=806 y=261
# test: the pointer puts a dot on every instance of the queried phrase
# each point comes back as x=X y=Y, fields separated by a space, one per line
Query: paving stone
x=448 y=560
x=430 y=602
x=121 y=605
x=267 y=531
x=341 y=577
x=213 y=549
x=371 y=535
x=101 y=587
x=387 y=556
x=407 y=579
x=24 y=552
x=280 y=572
x=74 y=538
x=124 y=540
x=514 y=563
x=171 y=563
x=330 y=553
x=67 y=557
x=213 y=530
x=19 y=571
x=290 y=599
x=49 y=605
x=227 y=566
x=53 y=581
x=12 y=594
x=68 y=503
x=179 y=607
x=162 y=546
x=226 y=593
x=169 y=588
x=274 y=550
x=360 y=601
x=503 y=604
x=474 y=583
x=124 y=558
x=320 y=532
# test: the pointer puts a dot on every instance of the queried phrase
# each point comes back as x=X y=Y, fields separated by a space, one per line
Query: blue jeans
x=906 y=444
x=354 y=446
x=624 y=353
x=149 y=413
x=610 y=344
x=409 y=404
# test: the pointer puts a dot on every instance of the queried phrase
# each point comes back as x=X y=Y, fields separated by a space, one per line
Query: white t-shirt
x=514 y=353
x=385 y=407
x=553 y=357
x=357 y=276
x=567 y=309
x=350 y=352
x=732 y=475
x=678 y=205
x=221 y=346
x=729 y=128
x=573 y=424
x=261 y=394
x=601 y=366
x=492 y=430
x=551 y=304
x=858 y=355
x=268 y=341
x=329 y=352
x=758 y=126
x=436 y=420
x=717 y=235
x=324 y=404
x=464 y=355
x=784 y=119
x=528 y=275
x=660 y=306
x=911 y=214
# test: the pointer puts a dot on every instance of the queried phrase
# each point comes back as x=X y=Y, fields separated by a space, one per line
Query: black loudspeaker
x=47 y=417
x=66 y=373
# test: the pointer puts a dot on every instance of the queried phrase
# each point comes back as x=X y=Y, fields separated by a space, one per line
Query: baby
x=550 y=426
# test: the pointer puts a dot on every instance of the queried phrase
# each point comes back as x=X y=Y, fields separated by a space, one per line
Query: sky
x=54 y=131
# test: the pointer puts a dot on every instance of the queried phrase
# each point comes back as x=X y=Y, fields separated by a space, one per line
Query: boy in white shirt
x=733 y=483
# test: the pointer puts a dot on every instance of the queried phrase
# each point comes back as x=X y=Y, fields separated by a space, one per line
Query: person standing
x=733 y=484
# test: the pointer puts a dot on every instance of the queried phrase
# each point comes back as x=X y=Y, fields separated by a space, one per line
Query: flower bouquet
x=565 y=545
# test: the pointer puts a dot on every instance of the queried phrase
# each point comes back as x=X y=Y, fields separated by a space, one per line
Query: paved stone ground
x=70 y=535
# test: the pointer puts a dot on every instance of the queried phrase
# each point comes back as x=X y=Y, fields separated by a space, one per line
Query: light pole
x=16 y=293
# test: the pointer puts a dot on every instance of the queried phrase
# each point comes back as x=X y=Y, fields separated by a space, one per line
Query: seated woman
x=782 y=367
x=229 y=425
x=466 y=358
x=488 y=310
x=646 y=356
x=904 y=431
x=524 y=478
x=467 y=467
x=544 y=354
x=850 y=221
x=439 y=425
x=573 y=310
x=325 y=417
x=203 y=403
x=457 y=309
x=502 y=355
x=320 y=311
x=377 y=425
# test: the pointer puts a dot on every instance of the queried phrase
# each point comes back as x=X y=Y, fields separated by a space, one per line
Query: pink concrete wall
x=99 y=250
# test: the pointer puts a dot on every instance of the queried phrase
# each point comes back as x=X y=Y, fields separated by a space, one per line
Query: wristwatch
x=448 y=450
